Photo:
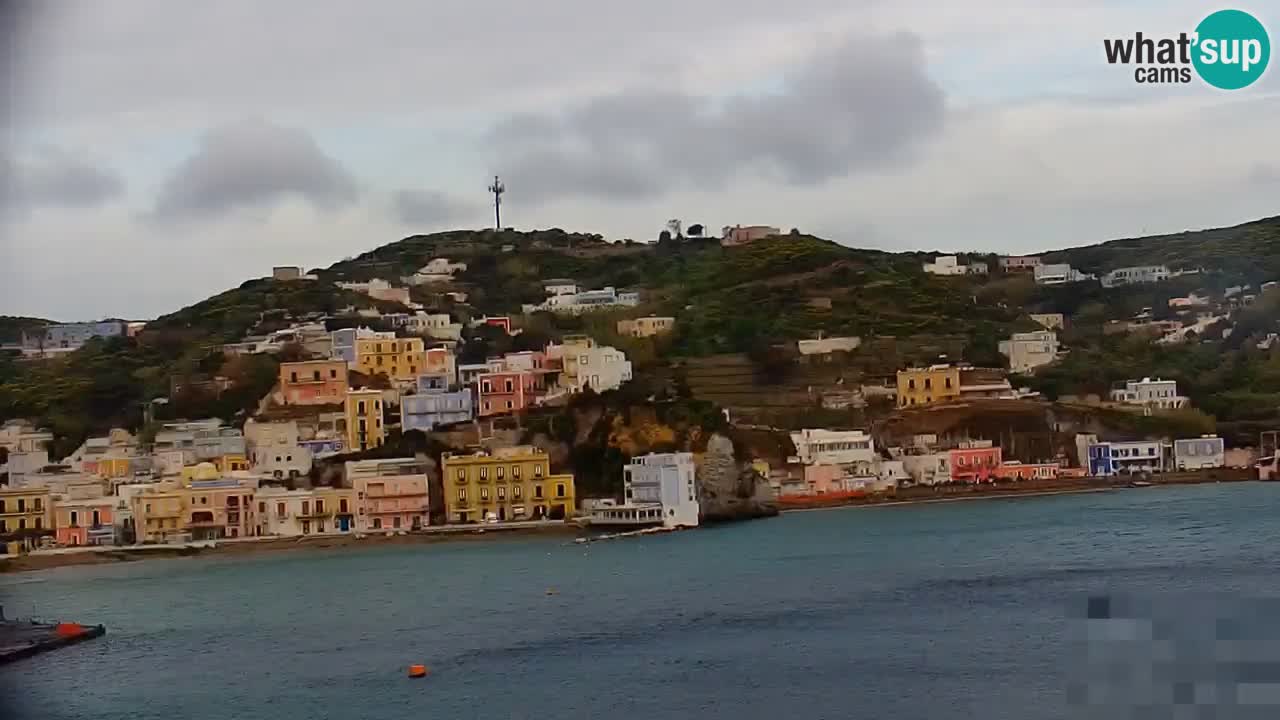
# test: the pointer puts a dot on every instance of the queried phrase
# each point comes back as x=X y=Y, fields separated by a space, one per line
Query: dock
x=24 y=638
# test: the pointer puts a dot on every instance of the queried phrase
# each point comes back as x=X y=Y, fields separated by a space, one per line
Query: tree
x=664 y=237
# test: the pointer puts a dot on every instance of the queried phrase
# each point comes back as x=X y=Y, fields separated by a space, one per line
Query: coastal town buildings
x=921 y=386
x=1058 y=274
x=85 y=521
x=1134 y=275
x=365 y=419
x=583 y=301
x=1117 y=458
x=343 y=342
x=1019 y=263
x=951 y=265
x=275 y=449
x=1011 y=470
x=23 y=509
x=658 y=489
x=439 y=326
x=20 y=436
x=506 y=484
x=66 y=337
x=1202 y=453
x=1151 y=394
x=313 y=382
x=434 y=404
x=438 y=270
x=974 y=461
x=738 y=235
x=1030 y=350
x=504 y=392
x=586 y=364
x=647 y=326
x=390 y=494
x=398 y=358
x=296 y=513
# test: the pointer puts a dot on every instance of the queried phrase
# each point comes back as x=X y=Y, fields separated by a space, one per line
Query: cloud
x=254 y=164
x=429 y=207
x=862 y=104
x=56 y=178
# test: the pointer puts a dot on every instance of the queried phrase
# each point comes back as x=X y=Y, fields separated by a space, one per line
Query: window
x=537 y=470
x=262 y=507
x=515 y=471
x=462 y=494
x=510 y=387
x=342 y=505
x=510 y=405
x=39 y=504
x=911 y=384
x=948 y=383
x=22 y=523
x=502 y=492
x=360 y=408
x=516 y=491
x=306 y=507
x=316 y=376
x=484 y=473
x=928 y=384
x=462 y=473
x=485 y=386
x=559 y=490
x=22 y=505
x=484 y=493
x=74 y=518
x=293 y=377
x=537 y=492
x=333 y=374
x=377 y=523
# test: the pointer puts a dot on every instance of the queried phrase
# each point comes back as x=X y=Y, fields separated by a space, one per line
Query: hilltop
x=745 y=305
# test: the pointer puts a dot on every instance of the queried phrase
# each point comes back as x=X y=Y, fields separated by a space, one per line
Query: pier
x=24 y=638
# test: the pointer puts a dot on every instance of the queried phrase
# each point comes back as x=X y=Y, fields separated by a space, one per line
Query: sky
x=155 y=153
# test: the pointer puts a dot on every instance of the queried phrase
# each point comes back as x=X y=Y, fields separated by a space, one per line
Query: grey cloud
x=53 y=177
x=253 y=164
x=1264 y=174
x=429 y=207
x=863 y=104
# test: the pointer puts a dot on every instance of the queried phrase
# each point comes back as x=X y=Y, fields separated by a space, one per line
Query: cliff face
x=729 y=490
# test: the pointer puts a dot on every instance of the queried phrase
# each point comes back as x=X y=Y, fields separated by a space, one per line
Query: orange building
x=313 y=382
x=85 y=522
x=974 y=462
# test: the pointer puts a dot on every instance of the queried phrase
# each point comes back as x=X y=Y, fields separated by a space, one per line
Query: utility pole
x=497 y=188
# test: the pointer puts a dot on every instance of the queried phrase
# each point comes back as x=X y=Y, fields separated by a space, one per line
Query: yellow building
x=921 y=386
x=231 y=463
x=365 y=426
x=510 y=483
x=159 y=513
x=25 y=509
x=397 y=358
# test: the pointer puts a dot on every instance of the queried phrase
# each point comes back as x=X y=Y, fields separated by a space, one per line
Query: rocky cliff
x=731 y=490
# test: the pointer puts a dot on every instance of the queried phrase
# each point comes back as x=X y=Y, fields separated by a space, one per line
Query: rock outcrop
x=729 y=490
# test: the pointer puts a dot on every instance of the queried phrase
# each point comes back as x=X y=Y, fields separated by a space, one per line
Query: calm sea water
x=955 y=610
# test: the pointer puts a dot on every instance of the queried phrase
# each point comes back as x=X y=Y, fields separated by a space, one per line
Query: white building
x=1202 y=453
x=600 y=367
x=560 y=286
x=274 y=449
x=1138 y=456
x=1050 y=321
x=583 y=301
x=1157 y=393
x=439 y=270
x=823 y=346
x=1058 y=274
x=659 y=489
x=1028 y=351
x=21 y=436
x=1134 y=275
x=833 y=447
x=434 y=325
x=928 y=468
x=951 y=265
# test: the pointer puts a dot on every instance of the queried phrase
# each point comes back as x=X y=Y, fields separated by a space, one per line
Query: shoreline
x=110 y=555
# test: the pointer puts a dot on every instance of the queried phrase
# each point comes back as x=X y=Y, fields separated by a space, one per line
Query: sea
x=1018 y=608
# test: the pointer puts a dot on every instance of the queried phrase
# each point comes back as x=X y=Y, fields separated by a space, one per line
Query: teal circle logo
x=1231 y=49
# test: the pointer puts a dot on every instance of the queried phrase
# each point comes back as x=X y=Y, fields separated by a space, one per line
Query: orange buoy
x=69 y=630
x=417 y=671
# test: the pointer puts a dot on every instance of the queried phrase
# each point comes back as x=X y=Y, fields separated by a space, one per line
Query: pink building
x=313 y=382
x=390 y=494
x=508 y=391
x=88 y=521
x=1027 y=471
x=974 y=462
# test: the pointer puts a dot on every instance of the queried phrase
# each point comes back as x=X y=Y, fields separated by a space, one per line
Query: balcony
x=399 y=511
x=316 y=514
x=391 y=496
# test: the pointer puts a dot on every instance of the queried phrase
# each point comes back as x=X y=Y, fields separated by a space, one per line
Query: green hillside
x=744 y=300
